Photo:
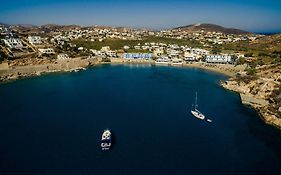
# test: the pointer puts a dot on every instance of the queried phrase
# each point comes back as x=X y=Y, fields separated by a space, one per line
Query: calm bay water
x=53 y=125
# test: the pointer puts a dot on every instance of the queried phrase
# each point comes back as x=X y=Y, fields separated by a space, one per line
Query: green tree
x=251 y=71
x=262 y=54
x=240 y=60
x=216 y=50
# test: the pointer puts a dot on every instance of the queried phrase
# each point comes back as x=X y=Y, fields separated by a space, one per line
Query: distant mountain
x=62 y=27
x=212 y=28
x=54 y=27
x=3 y=24
x=27 y=25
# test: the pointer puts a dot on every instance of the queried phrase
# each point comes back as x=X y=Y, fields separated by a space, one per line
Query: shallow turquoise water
x=53 y=124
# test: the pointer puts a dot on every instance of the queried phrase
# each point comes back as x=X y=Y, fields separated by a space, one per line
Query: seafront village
x=31 y=50
x=22 y=46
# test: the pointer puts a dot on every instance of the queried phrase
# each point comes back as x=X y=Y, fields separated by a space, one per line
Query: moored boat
x=196 y=112
x=106 y=140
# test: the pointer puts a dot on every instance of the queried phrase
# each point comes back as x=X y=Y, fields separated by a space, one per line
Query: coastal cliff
x=262 y=92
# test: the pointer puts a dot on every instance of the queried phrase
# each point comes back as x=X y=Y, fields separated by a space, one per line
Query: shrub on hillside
x=240 y=61
x=250 y=54
x=251 y=71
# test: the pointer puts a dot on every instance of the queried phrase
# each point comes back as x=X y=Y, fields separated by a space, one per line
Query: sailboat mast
x=195 y=100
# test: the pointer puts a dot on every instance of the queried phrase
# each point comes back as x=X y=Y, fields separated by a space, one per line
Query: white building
x=105 y=49
x=220 y=59
x=94 y=52
x=200 y=51
x=13 y=43
x=162 y=60
x=177 y=61
x=158 y=51
x=62 y=56
x=137 y=47
x=34 y=40
x=190 y=56
x=126 y=47
x=47 y=51
x=80 y=48
x=111 y=53
x=137 y=56
x=97 y=52
x=173 y=53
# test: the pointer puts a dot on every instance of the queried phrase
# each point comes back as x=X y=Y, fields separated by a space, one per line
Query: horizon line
x=139 y=27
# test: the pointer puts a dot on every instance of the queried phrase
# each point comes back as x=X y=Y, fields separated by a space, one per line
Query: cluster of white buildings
x=98 y=34
x=3 y=30
x=205 y=37
x=176 y=54
x=163 y=52
x=13 y=43
x=34 y=40
x=104 y=51
x=171 y=51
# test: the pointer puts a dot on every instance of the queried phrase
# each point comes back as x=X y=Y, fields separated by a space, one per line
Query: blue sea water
x=53 y=125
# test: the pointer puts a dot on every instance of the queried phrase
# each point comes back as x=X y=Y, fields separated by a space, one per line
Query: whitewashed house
x=126 y=47
x=173 y=53
x=218 y=59
x=105 y=49
x=94 y=52
x=145 y=47
x=190 y=56
x=47 y=51
x=137 y=47
x=158 y=51
x=13 y=43
x=177 y=61
x=111 y=53
x=34 y=40
x=200 y=51
x=62 y=56
x=80 y=48
x=145 y=56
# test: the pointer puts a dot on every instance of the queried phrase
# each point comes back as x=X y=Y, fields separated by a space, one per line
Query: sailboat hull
x=198 y=115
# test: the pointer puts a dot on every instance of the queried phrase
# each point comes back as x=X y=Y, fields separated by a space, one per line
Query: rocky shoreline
x=261 y=92
x=17 y=72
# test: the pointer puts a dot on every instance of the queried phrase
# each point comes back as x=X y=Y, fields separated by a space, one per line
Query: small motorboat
x=106 y=140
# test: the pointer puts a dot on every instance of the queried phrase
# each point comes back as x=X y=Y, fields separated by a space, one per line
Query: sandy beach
x=226 y=69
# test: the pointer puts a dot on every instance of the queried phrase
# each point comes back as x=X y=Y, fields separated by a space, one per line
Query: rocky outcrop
x=262 y=92
x=251 y=100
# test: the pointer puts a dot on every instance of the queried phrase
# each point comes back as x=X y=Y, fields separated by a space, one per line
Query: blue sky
x=252 y=15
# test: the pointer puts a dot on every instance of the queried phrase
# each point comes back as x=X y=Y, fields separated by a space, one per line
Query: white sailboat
x=196 y=112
